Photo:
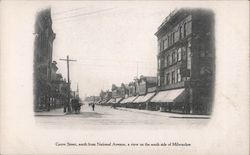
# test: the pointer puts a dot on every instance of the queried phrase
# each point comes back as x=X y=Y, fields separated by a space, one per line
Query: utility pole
x=68 y=60
x=77 y=90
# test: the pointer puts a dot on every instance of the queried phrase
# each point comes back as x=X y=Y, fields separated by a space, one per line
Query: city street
x=105 y=117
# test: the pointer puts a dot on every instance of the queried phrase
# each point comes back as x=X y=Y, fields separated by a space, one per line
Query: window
x=166 y=60
x=179 y=75
x=159 y=63
x=168 y=78
x=162 y=62
x=169 y=40
x=158 y=79
x=185 y=27
x=169 y=60
x=175 y=55
x=173 y=58
x=179 y=54
x=173 y=77
x=173 y=36
x=159 y=45
x=165 y=44
x=180 y=31
x=165 y=78
x=188 y=28
x=188 y=58
x=202 y=54
x=161 y=79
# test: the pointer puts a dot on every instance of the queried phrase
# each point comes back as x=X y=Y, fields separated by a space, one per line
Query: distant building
x=185 y=57
x=145 y=90
x=132 y=89
x=119 y=92
x=138 y=90
x=92 y=99
x=104 y=97
x=44 y=37
x=146 y=84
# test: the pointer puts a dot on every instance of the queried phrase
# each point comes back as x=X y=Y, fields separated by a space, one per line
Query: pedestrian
x=93 y=106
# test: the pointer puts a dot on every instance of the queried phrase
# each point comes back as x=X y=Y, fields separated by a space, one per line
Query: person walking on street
x=93 y=106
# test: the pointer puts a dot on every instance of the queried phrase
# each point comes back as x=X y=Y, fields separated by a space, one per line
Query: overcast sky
x=108 y=42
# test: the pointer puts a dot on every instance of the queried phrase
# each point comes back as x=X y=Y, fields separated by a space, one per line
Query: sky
x=111 y=43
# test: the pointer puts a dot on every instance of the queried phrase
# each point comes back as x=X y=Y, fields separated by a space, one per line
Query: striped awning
x=129 y=99
x=144 y=98
x=175 y=95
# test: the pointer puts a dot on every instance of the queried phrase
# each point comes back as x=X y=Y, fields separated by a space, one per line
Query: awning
x=112 y=100
x=144 y=98
x=129 y=99
x=175 y=95
x=117 y=100
x=103 y=101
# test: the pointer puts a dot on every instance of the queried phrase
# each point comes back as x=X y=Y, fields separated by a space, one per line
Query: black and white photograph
x=125 y=77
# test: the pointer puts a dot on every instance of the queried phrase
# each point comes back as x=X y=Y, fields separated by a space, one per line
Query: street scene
x=108 y=118
x=93 y=86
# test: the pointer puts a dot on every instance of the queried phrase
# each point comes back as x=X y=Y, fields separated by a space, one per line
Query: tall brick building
x=186 y=68
x=44 y=37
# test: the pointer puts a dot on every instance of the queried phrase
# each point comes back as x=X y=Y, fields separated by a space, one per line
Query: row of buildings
x=50 y=88
x=186 y=68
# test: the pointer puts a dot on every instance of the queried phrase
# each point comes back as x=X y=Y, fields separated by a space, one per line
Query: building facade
x=43 y=47
x=186 y=55
x=146 y=84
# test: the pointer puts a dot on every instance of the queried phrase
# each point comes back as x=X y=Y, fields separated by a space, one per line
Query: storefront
x=128 y=101
x=168 y=100
x=117 y=102
x=111 y=101
x=142 y=101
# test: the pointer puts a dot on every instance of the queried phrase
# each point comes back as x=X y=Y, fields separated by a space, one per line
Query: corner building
x=186 y=55
x=43 y=49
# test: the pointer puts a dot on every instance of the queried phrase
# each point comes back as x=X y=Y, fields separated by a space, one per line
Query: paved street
x=109 y=118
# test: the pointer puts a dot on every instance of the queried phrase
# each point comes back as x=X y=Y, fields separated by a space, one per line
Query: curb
x=169 y=116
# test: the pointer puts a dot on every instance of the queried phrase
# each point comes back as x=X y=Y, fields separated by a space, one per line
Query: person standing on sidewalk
x=93 y=106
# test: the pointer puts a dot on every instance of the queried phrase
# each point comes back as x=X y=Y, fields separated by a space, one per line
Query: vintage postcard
x=125 y=77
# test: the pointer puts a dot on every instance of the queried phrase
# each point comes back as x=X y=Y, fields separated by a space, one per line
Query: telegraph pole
x=68 y=60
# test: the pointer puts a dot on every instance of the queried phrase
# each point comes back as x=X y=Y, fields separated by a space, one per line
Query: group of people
x=76 y=105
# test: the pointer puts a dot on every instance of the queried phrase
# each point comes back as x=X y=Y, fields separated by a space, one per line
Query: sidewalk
x=165 y=114
x=52 y=112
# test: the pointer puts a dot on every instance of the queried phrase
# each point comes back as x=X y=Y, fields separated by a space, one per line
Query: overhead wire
x=83 y=14
x=67 y=11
